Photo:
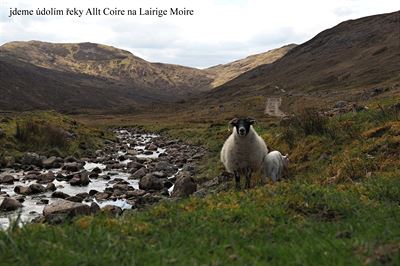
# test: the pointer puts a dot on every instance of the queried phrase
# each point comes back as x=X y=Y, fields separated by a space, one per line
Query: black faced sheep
x=244 y=150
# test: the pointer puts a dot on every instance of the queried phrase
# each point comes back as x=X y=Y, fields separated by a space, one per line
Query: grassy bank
x=288 y=223
x=340 y=205
x=48 y=133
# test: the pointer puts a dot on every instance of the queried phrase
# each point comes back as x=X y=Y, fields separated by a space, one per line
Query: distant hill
x=118 y=67
x=64 y=76
x=348 y=58
x=227 y=72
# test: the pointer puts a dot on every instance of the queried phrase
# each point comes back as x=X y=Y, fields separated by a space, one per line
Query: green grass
x=339 y=210
x=48 y=133
x=288 y=223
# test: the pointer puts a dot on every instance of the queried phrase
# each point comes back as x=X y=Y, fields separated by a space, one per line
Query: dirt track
x=272 y=107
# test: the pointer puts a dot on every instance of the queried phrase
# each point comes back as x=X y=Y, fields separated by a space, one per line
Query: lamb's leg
x=237 y=179
x=248 y=177
x=274 y=176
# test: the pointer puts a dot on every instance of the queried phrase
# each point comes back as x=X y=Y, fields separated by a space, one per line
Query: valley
x=123 y=155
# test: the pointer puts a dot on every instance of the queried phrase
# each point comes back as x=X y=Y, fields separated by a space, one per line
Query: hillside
x=41 y=75
x=88 y=75
x=226 y=72
x=341 y=62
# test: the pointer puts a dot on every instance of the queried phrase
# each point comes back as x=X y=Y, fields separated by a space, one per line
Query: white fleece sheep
x=243 y=152
x=274 y=165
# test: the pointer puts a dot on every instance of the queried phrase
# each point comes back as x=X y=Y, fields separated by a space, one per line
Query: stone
x=96 y=170
x=10 y=204
x=59 y=194
x=60 y=210
x=37 y=188
x=20 y=198
x=135 y=193
x=159 y=174
x=105 y=177
x=46 y=178
x=31 y=158
x=93 y=175
x=61 y=177
x=131 y=152
x=51 y=187
x=151 y=147
x=83 y=195
x=184 y=185
x=80 y=179
x=74 y=199
x=165 y=167
x=150 y=182
x=7 y=179
x=134 y=165
x=51 y=162
x=139 y=173
x=165 y=192
x=75 y=181
x=23 y=190
x=114 y=210
x=101 y=196
x=94 y=208
x=92 y=192
x=43 y=201
x=70 y=159
x=72 y=167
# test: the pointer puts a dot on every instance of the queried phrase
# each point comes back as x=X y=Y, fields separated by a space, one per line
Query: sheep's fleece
x=274 y=164
x=241 y=152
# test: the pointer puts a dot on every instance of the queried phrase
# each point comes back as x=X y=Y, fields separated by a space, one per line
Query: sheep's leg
x=248 y=177
x=274 y=176
x=237 y=179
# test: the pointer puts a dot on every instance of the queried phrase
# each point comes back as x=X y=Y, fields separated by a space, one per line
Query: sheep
x=243 y=152
x=274 y=165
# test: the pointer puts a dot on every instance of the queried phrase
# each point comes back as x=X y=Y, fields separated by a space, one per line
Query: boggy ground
x=339 y=206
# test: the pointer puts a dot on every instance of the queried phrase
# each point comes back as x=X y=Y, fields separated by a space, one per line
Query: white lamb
x=243 y=152
x=274 y=165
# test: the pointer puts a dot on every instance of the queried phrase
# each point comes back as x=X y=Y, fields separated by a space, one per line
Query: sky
x=218 y=32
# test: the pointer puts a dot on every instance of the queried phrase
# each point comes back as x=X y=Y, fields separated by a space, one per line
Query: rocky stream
x=137 y=170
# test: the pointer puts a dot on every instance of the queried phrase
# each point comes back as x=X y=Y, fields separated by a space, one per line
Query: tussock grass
x=48 y=133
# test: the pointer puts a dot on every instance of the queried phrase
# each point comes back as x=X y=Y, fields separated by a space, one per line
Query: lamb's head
x=242 y=125
x=285 y=160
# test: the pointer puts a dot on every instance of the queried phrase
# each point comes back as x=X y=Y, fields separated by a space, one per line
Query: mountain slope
x=64 y=76
x=116 y=65
x=352 y=56
x=227 y=72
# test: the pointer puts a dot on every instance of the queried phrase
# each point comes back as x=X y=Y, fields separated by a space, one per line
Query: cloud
x=220 y=31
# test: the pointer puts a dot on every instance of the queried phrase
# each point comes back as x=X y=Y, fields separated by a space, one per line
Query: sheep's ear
x=233 y=121
x=251 y=120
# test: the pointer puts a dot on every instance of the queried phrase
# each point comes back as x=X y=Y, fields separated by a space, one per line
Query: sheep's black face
x=242 y=125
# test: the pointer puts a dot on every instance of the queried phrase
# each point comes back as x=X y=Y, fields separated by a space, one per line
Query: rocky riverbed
x=137 y=170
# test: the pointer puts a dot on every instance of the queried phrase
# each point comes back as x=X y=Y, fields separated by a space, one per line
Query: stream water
x=33 y=205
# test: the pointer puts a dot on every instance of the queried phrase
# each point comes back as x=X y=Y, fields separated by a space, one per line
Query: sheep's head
x=285 y=160
x=242 y=125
